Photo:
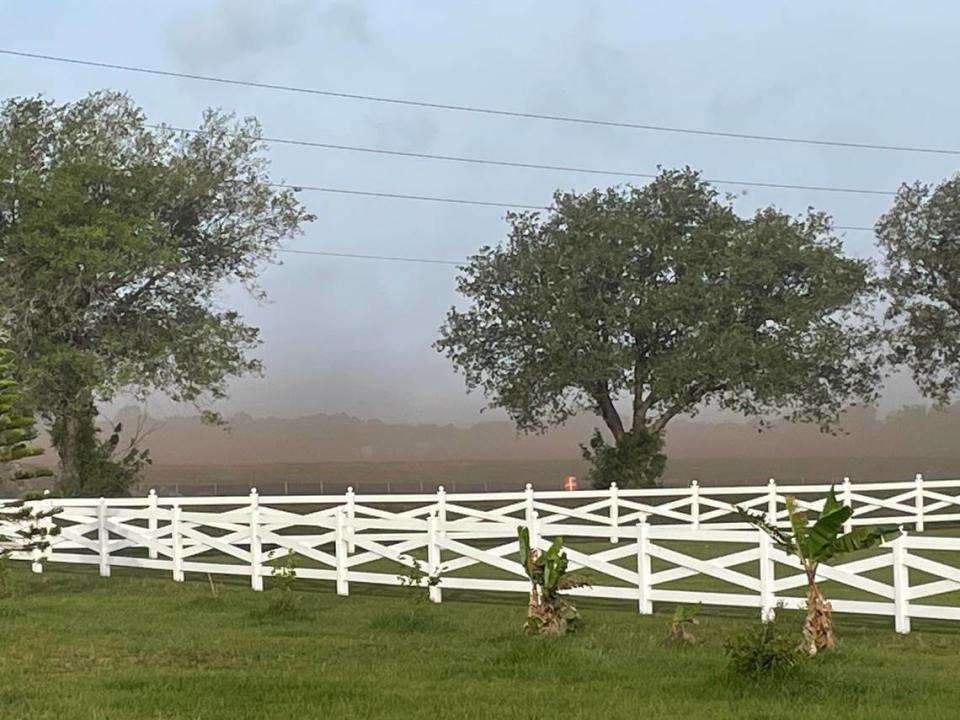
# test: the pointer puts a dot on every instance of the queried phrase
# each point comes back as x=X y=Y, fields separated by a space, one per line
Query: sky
x=354 y=336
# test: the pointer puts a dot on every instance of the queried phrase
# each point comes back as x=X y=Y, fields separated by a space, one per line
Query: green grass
x=141 y=647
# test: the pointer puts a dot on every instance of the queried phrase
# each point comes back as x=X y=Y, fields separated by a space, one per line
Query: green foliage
x=549 y=612
x=664 y=294
x=812 y=545
x=25 y=527
x=413 y=575
x=682 y=623
x=636 y=461
x=103 y=468
x=285 y=573
x=283 y=601
x=823 y=540
x=17 y=430
x=115 y=238
x=762 y=651
x=920 y=238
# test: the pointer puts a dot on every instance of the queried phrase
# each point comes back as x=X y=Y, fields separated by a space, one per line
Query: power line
x=538 y=166
x=361 y=256
x=485 y=110
x=459 y=201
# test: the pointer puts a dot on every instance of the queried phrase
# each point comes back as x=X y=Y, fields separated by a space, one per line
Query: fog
x=354 y=336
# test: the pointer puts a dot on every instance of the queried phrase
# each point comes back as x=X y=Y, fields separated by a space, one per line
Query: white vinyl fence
x=645 y=546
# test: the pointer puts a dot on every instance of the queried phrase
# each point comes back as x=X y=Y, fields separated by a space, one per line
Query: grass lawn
x=141 y=646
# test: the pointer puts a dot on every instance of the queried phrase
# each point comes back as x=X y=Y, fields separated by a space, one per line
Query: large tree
x=115 y=238
x=663 y=295
x=920 y=237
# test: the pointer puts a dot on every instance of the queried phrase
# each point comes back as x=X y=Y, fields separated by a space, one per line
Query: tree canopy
x=115 y=238
x=920 y=238
x=664 y=295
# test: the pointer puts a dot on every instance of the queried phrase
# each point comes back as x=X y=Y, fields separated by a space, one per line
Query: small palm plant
x=813 y=545
x=682 y=624
x=549 y=612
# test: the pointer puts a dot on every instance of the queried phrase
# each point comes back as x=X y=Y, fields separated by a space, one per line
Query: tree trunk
x=71 y=430
x=818 y=627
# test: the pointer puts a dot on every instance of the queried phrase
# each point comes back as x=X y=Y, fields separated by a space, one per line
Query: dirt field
x=312 y=478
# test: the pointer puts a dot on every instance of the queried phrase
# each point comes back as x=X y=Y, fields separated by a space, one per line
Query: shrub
x=682 y=623
x=762 y=651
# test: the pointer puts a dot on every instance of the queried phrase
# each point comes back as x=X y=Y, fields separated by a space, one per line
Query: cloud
x=234 y=30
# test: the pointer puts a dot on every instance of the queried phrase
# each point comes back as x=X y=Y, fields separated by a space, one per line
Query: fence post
x=103 y=535
x=342 y=548
x=152 y=523
x=614 y=513
x=433 y=557
x=442 y=510
x=351 y=507
x=901 y=584
x=695 y=504
x=644 y=603
x=256 y=548
x=528 y=499
x=772 y=502
x=767 y=577
x=534 y=526
x=918 y=480
x=176 y=542
x=848 y=501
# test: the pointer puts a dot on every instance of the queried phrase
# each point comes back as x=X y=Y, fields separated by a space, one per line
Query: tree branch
x=601 y=395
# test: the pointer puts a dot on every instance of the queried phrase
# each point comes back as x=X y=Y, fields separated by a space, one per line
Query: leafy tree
x=812 y=545
x=920 y=237
x=665 y=295
x=115 y=238
x=549 y=612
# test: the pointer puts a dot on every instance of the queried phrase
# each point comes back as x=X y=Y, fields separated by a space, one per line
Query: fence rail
x=644 y=546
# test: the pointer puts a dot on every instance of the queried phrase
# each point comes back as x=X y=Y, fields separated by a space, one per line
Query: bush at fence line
x=283 y=601
x=764 y=650
x=549 y=612
x=813 y=545
x=414 y=576
x=682 y=623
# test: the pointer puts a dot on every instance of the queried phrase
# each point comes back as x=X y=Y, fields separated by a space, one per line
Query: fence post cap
x=919 y=477
x=613 y=485
x=771 y=481
x=152 y=493
x=441 y=489
x=349 y=489
x=529 y=486
x=694 y=483
x=253 y=492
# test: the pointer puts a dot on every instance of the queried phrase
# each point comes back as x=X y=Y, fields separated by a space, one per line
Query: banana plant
x=812 y=545
x=682 y=624
x=549 y=612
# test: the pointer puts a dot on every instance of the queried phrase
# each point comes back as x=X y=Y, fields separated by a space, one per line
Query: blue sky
x=354 y=336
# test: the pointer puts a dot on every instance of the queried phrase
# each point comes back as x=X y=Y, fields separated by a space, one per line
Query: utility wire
x=361 y=256
x=458 y=201
x=538 y=166
x=486 y=110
